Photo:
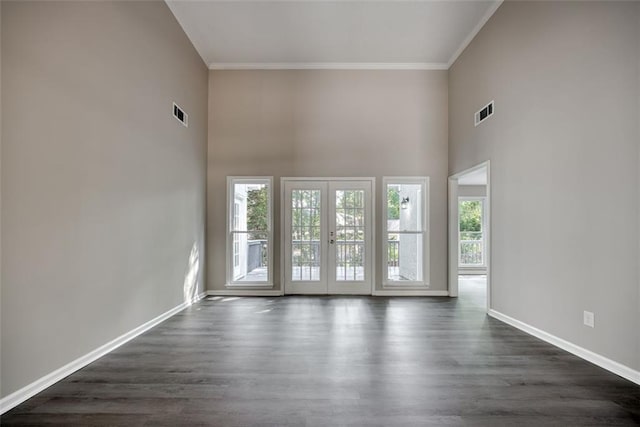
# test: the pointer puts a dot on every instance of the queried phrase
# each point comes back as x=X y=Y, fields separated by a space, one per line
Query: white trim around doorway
x=372 y=180
x=453 y=229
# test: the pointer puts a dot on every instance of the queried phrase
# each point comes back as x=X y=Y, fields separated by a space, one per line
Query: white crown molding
x=314 y=1
x=472 y=35
x=588 y=355
x=326 y=66
x=30 y=390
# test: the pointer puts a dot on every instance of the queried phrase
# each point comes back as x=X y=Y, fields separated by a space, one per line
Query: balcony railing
x=393 y=255
x=471 y=249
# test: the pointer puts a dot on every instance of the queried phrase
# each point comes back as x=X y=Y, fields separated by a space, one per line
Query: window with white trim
x=249 y=231
x=405 y=238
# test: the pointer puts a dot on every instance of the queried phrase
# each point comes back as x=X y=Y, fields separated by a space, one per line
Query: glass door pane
x=350 y=250
x=305 y=235
x=349 y=235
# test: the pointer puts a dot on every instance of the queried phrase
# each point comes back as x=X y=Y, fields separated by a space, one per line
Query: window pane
x=249 y=230
x=404 y=207
x=405 y=255
x=471 y=252
x=250 y=257
x=251 y=206
x=393 y=202
x=470 y=212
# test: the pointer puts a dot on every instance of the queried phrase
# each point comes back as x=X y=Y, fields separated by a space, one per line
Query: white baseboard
x=409 y=293
x=588 y=355
x=277 y=293
x=19 y=396
x=245 y=293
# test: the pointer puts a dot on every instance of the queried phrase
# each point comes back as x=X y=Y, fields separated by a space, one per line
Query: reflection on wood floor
x=328 y=361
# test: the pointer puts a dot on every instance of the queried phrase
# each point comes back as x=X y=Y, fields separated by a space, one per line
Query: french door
x=328 y=241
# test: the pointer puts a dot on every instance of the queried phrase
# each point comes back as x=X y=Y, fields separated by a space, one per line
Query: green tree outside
x=257 y=209
x=393 y=203
x=470 y=212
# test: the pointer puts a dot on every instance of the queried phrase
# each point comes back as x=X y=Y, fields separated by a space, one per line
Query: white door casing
x=328 y=236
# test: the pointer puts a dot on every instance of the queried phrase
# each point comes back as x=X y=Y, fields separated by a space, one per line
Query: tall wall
x=0 y=196
x=327 y=123
x=563 y=145
x=103 y=191
x=638 y=188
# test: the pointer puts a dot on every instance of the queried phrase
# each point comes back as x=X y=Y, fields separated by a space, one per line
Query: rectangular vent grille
x=179 y=114
x=484 y=113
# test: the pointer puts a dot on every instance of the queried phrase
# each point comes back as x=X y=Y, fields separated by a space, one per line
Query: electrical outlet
x=589 y=319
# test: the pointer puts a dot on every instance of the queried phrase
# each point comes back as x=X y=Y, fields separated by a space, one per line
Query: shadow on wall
x=190 y=287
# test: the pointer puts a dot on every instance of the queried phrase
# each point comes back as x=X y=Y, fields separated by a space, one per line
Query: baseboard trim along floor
x=377 y=293
x=245 y=293
x=588 y=355
x=30 y=390
x=409 y=293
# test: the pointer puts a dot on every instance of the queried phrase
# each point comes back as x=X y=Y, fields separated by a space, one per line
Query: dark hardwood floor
x=331 y=361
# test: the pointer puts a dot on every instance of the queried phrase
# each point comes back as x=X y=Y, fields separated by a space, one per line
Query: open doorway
x=469 y=237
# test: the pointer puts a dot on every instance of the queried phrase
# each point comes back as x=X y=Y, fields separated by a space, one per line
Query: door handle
x=331 y=241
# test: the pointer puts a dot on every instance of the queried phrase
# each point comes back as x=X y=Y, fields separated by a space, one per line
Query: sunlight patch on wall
x=190 y=287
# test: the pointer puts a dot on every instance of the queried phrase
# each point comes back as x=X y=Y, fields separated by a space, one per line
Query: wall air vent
x=179 y=114
x=484 y=113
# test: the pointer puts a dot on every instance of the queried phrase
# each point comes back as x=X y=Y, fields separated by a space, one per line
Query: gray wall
x=0 y=197
x=563 y=145
x=326 y=123
x=103 y=191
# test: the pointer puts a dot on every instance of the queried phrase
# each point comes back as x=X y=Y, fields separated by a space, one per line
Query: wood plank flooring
x=334 y=361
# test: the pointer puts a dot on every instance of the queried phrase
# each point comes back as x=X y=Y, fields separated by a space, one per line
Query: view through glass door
x=328 y=236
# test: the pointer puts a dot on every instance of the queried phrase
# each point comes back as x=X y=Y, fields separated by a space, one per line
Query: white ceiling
x=392 y=34
x=477 y=177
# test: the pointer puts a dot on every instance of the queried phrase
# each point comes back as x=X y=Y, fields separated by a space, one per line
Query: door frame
x=372 y=180
x=453 y=229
